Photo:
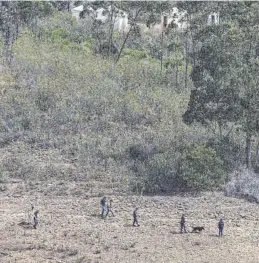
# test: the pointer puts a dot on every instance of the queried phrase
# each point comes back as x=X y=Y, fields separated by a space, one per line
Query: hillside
x=166 y=122
x=141 y=112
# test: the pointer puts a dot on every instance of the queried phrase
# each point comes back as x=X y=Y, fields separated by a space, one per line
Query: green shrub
x=26 y=123
x=133 y=53
x=45 y=100
x=201 y=168
x=229 y=151
x=161 y=173
x=158 y=173
x=141 y=152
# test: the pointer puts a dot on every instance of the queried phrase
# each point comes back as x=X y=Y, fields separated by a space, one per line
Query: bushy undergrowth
x=243 y=183
x=120 y=121
x=201 y=168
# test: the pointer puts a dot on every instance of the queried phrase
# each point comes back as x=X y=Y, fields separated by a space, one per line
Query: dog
x=197 y=229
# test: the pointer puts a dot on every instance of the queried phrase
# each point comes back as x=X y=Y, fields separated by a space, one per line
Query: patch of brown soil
x=70 y=229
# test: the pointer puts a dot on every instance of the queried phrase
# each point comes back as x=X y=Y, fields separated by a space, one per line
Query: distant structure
x=173 y=19
x=76 y=11
x=213 y=19
x=121 y=21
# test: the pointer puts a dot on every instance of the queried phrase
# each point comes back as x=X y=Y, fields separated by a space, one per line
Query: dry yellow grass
x=70 y=229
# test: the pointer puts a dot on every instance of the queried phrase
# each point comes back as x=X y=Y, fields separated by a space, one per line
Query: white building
x=213 y=19
x=173 y=19
x=121 y=21
x=76 y=11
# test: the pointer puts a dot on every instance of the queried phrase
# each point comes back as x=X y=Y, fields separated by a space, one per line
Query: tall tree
x=14 y=15
x=225 y=69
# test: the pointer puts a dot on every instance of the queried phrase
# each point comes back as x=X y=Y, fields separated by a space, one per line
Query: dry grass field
x=70 y=229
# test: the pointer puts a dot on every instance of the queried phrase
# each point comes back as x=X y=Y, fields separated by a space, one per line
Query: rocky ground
x=70 y=229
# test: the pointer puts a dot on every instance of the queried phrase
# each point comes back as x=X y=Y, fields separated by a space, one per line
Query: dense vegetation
x=170 y=112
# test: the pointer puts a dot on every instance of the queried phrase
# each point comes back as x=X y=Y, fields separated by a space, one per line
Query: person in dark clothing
x=183 y=224
x=109 y=208
x=35 y=219
x=221 y=227
x=135 y=217
x=103 y=206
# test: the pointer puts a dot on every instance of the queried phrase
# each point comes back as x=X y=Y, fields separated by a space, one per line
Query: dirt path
x=70 y=230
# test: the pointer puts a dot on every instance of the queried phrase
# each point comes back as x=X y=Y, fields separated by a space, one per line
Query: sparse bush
x=133 y=53
x=141 y=152
x=4 y=175
x=161 y=174
x=72 y=252
x=45 y=100
x=26 y=123
x=157 y=173
x=8 y=138
x=243 y=183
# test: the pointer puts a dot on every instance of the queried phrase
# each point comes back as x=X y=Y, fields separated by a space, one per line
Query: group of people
x=106 y=208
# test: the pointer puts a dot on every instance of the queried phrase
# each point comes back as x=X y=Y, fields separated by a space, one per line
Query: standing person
x=183 y=224
x=103 y=206
x=109 y=208
x=35 y=219
x=135 y=217
x=221 y=227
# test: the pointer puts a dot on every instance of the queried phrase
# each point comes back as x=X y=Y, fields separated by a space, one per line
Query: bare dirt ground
x=71 y=230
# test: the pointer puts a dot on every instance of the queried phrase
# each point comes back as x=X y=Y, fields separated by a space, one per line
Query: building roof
x=79 y=8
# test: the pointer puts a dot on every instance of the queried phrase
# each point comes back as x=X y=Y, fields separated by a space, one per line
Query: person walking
x=35 y=220
x=103 y=206
x=135 y=217
x=183 y=224
x=221 y=227
x=109 y=208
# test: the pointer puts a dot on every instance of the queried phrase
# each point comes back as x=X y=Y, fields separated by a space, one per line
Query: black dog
x=197 y=229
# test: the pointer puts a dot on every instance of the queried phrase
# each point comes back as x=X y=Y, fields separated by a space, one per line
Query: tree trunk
x=127 y=36
x=257 y=157
x=176 y=78
x=248 y=151
x=112 y=21
x=186 y=66
x=162 y=43
x=220 y=131
x=186 y=56
x=68 y=6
